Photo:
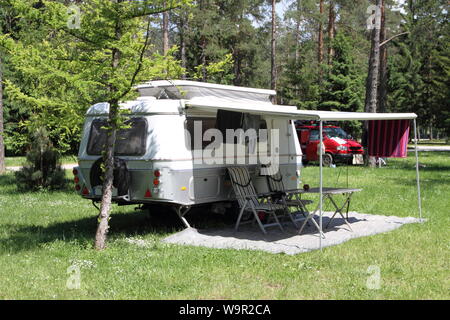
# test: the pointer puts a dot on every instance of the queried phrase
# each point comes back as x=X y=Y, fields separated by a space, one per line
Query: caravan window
x=129 y=142
x=207 y=123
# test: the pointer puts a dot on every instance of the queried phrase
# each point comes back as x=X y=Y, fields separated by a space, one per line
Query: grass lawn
x=19 y=161
x=43 y=234
x=435 y=142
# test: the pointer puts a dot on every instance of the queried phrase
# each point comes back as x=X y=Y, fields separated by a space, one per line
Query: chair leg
x=277 y=221
x=261 y=226
x=292 y=219
x=238 y=221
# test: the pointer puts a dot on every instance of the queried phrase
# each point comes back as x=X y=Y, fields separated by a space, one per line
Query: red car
x=339 y=146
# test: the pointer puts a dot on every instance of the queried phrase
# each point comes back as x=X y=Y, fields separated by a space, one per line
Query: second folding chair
x=250 y=201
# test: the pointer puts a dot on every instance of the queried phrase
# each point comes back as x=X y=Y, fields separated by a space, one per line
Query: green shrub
x=42 y=169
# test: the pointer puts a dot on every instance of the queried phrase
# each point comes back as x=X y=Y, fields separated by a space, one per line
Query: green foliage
x=42 y=169
x=342 y=87
x=216 y=72
x=419 y=70
x=54 y=73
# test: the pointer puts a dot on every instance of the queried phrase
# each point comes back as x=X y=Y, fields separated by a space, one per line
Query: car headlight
x=342 y=148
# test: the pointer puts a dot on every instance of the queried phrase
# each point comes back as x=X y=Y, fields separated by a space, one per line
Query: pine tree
x=108 y=50
x=42 y=169
x=342 y=87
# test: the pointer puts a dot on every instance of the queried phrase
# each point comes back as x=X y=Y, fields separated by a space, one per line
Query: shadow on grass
x=9 y=184
x=7 y=179
x=122 y=224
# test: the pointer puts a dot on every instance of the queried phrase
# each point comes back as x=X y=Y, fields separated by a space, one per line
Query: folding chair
x=289 y=198
x=250 y=201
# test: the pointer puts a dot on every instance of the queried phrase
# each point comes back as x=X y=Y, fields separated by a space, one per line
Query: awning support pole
x=419 y=199
x=321 y=182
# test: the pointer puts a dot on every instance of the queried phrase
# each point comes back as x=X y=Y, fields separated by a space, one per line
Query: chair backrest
x=275 y=181
x=242 y=185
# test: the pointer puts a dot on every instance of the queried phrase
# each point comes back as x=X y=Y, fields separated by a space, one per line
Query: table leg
x=311 y=216
x=339 y=210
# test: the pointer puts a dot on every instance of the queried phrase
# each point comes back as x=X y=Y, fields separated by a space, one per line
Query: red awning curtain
x=388 y=138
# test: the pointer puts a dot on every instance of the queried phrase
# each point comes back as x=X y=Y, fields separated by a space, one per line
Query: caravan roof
x=183 y=89
x=167 y=97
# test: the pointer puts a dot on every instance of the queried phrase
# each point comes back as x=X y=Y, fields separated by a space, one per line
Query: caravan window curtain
x=388 y=138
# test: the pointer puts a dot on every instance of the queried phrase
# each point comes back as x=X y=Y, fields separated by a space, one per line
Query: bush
x=42 y=169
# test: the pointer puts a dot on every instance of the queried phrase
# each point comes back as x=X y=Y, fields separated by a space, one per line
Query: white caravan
x=168 y=156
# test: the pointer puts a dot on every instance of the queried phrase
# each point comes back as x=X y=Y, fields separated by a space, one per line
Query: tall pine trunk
x=320 y=41
x=2 y=144
x=273 y=73
x=382 y=88
x=373 y=77
x=165 y=29
x=331 y=31
x=297 y=33
x=183 y=46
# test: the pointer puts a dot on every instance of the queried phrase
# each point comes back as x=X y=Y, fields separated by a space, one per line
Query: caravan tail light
x=157 y=173
x=76 y=179
x=85 y=191
x=156 y=182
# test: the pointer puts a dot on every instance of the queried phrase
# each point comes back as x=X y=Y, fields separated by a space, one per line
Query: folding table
x=328 y=193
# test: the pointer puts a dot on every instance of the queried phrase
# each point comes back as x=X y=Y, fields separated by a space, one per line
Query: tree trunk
x=183 y=46
x=331 y=31
x=105 y=207
x=203 y=58
x=320 y=41
x=382 y=89
x=373 y=76
x=165 y=29
x=2 y=144
x=273 y=78
x=108 y=158
x=297 y=33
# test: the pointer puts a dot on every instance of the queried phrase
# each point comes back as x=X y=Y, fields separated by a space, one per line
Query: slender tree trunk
x=297 y=33
x=183 y=46
x=105 y=207
x=203 y=58
x=382 y=89
x=373 y=76
x=2 y=144
x=374 y=69
x=273 y=78
x=320 y=41
x=203 y=6
x=165 y=29
x=331 y=31
x=108 y=177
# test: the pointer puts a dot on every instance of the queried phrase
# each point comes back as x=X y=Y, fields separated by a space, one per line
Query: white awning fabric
x=290 y=112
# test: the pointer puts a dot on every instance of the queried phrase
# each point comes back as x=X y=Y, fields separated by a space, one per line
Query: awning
x=291 y=112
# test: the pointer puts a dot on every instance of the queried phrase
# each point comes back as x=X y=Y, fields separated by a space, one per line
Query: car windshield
x=335 y=133
x=330 y=133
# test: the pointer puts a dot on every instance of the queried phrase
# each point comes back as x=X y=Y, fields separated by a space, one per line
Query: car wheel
x=327 y=160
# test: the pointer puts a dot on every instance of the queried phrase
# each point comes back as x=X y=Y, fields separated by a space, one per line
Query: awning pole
x=321 y=182
x=419 y=199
